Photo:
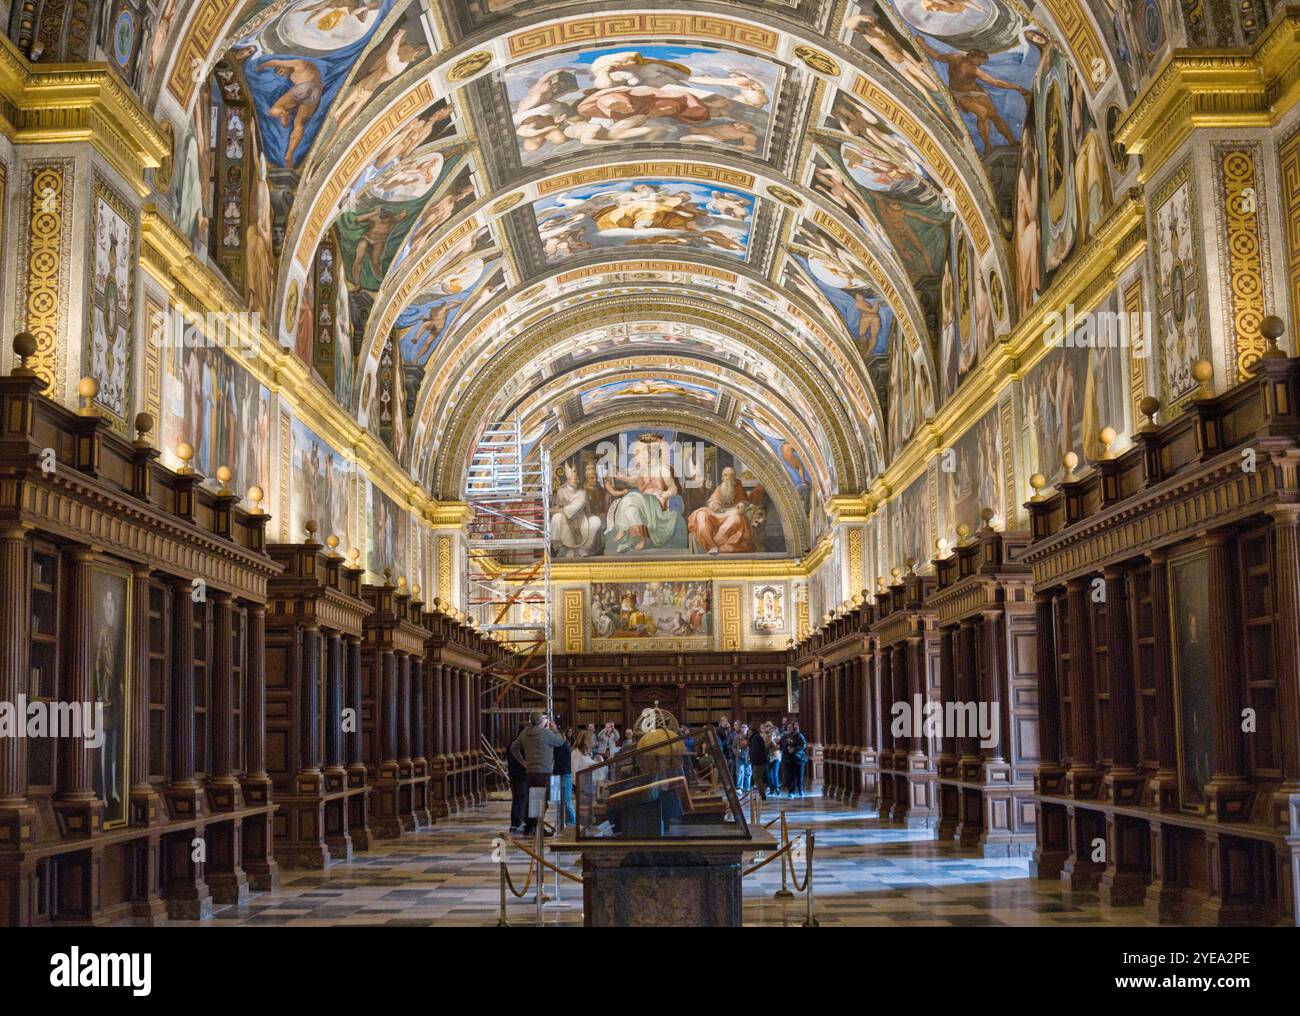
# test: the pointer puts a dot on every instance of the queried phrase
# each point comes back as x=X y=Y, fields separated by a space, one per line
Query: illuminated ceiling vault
x=792 y=228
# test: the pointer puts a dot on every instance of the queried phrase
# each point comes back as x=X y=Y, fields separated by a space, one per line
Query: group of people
x=540 y=752
x=769 y=758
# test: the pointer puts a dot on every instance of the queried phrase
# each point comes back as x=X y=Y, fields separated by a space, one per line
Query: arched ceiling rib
x=814 y=194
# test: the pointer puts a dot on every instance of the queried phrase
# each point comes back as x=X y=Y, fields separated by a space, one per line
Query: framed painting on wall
x=1193 y=712
x=110 y=687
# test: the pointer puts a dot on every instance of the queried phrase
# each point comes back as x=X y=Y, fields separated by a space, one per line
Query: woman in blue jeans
x=744 y=770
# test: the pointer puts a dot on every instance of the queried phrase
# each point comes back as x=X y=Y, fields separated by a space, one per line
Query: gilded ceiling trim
x=620 y=25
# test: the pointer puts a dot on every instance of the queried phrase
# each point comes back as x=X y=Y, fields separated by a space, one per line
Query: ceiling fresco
x=802 y=222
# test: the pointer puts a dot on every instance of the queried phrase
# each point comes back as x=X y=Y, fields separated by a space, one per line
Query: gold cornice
x=1214 y=88
x=448 y=514
x=846 y=508
x=79 y=103
x=198 y=290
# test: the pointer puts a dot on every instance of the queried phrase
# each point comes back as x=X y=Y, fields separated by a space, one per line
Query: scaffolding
x=508 y=558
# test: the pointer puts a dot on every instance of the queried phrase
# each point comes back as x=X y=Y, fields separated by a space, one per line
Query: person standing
x=757 y=751
x=726 y=742
x=564 y=770
x=518 y=787
x=794 y=752
x=534 y=749
x=744 y=772
x=773 y=739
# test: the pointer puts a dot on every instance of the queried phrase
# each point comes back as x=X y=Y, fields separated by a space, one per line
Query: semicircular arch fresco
x=825 y=212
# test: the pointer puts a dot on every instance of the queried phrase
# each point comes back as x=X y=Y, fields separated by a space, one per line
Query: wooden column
x=966 y=669
x=454 y=713
x=182 y=787
x=1050 y=776
x=439 y=709
x=403 y=665
x=80 y=812
x=1123 y=782
x=144 y=801
x=995 y=681
x=1228 y=791
x=309 y=699
x=1164 y=783
x=334 y=703
x=418 y=716
x=255 y=707
x=356 y=756
x=388 y=709
x=223 y=788
x=1083 y=777
x=947 y=693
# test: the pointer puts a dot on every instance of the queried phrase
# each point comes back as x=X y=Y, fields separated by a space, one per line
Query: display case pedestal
x=662 y=883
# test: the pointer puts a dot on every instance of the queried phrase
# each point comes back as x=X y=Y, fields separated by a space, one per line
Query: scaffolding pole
x=508 y=555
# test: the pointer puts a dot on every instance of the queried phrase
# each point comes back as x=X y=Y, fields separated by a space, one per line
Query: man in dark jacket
x=794 y=750
x=758 y=760
x=518 y=788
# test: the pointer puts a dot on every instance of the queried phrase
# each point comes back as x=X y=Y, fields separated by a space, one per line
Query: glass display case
x=665 y=786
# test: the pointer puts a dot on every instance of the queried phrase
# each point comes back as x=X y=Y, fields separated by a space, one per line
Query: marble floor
x=866 y=874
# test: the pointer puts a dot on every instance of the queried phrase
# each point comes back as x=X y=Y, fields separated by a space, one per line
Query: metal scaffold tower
x=508 y=557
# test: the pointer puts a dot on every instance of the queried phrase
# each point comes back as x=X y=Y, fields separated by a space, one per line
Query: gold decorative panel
x=855 y=562
x=730 y=611
x=444 y=569
x=571 y=619
x=286 y=471
x=1241 y=198
x=1289 y=164
x=1137 y=363
x=154 y=323
x=46 y=262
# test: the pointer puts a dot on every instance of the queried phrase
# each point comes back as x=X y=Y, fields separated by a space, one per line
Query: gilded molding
x=84 y=103
x=1211 y=88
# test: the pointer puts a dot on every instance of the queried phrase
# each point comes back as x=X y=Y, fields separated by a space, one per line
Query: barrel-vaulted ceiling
x=795 y=221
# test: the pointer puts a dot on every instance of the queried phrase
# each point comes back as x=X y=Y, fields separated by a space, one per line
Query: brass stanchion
x=501 y=918
x=810 y=921
x=784 y=892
